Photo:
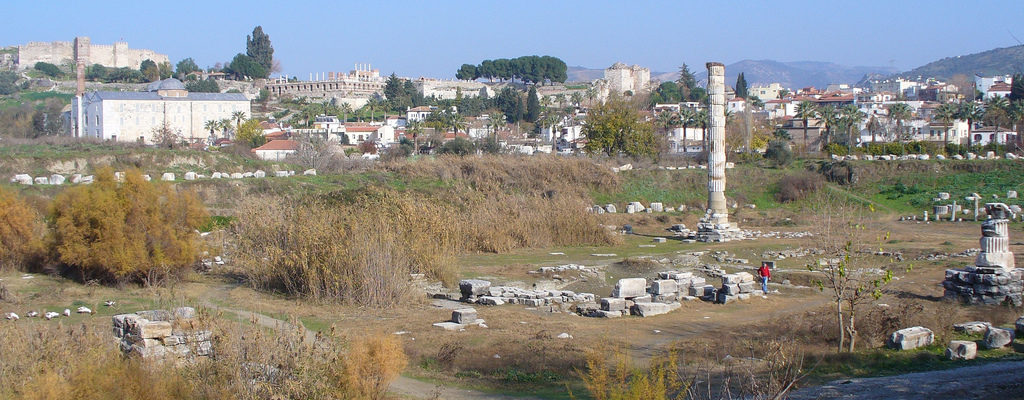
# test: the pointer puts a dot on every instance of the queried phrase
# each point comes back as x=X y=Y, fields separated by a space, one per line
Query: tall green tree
x=828 y=116
x=852 y=116
x=686 y=83
x=741 y=86
x=186 y=66
x=615 y=127
x=532 y=105
x=258 y=47
x=1017 y=88
x=243 y=66
x=149 y=70
x=467 y=72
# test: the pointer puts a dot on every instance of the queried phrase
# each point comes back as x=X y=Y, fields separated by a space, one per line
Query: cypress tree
x=257 y=46
x=532 y=105
x=741 y=86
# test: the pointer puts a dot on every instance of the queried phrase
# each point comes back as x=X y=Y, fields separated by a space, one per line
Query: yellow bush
x=371 y=364
x=133 y=230
x=21 y=230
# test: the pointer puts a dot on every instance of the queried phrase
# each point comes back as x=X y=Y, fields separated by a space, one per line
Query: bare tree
x=164 y=136
x=314 y=152
x=850 y=271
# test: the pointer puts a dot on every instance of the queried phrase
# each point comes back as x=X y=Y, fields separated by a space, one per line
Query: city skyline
x=412 y=40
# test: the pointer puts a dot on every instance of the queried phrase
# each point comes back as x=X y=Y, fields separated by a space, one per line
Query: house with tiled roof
x=1000 y=89
x=276 y=150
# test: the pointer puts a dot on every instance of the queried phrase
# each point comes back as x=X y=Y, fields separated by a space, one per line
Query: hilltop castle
x=114 y=56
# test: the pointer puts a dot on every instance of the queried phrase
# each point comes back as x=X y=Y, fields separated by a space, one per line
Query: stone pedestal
x=993 y=279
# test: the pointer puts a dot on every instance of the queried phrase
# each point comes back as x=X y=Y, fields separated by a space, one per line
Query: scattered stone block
x=57 y=179
x=464 y=316
x=997 y=337
x=237 y=175
x=657 y=207
x=702 y=291
x=663 y=287
x=643 y=299
x=630 y=287
x=450 y=326
x=474 y=287
x=490 y=301
x=972 y=328
x=730 y=290
x=151 y=329
x=724 y=298
x=647 y=309
x=743 y=296
x=613 y=304
x=605 y=314
x=167 y=176
x=190 y=176
x=747 y=287
x=309 y=172
x=42 y=180
x=961 y=350
x=610 y=208
x=911 y=338
x=660 y=240
x=259 y=174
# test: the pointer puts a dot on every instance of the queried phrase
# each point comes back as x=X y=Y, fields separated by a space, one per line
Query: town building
x=984 y=83
x=1000 y=89
x=276 y=150
x=419 y=114
x=138 y=116
x=765 y=93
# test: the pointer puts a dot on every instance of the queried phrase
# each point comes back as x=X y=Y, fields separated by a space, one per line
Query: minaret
x=714 y=226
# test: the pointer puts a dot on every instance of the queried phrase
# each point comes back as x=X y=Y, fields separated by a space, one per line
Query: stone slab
x=630 y=287
x=911 y=338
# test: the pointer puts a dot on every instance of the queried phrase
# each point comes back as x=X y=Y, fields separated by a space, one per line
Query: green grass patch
x=215 y=222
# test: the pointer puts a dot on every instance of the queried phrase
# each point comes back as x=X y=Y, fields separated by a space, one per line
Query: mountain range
x=799 y=74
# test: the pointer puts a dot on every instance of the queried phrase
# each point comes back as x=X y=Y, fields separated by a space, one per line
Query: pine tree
x=1017 y=88
x=686 y=83
x=741 y=86
x=258 y=47
x=532 y=105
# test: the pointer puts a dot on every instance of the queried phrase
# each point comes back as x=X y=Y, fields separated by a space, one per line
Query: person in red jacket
x=765 y=274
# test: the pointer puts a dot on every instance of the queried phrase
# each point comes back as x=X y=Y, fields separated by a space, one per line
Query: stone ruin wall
x=113 y=56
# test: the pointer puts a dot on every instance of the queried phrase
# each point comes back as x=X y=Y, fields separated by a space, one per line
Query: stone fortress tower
x=993 y=279
x=715 y=226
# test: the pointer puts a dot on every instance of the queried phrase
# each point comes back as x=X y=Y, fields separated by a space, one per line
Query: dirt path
x=402 y=386
x=999 y=380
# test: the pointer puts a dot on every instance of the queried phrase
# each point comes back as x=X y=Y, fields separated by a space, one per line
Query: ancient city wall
x=115 y=56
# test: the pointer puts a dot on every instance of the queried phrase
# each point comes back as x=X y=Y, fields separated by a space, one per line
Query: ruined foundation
x=993 y=279
x=715 y=226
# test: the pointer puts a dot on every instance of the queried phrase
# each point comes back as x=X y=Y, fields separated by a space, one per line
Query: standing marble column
x=714 y=226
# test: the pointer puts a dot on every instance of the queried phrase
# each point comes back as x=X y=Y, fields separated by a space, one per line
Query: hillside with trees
x=1001 y=61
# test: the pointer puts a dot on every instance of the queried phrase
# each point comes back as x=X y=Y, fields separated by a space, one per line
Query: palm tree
x=415 y=128
x=225 y=125
x=210 y=125
x=701 y=120
x=873 y=127
x=970 y=112
x=591 y=94
x=900 y=112
x=456 y=121
x=946 y=113
x=996 y=111
x=576 y=98
x=238 y=116
x=852 y=116
x=345 y=109
x=805 y=111
x=828 y=117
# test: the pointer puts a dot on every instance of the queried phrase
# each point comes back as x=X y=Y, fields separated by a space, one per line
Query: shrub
x=457 y=146
x=47 y=69
x=779 y=152
x=371 y=364
x=21 y=230
x=129 y=231
x=798 y=186
x=837 y=149
x=895 y=148
x=360 y=252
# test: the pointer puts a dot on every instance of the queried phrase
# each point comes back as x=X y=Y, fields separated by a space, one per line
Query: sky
x=433 y=38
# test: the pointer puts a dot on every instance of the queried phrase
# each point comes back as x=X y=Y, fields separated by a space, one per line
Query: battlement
x=116 y=55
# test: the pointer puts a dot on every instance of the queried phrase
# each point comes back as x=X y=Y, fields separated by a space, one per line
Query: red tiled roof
x=361 y=128
x=279 y=145
x=420 y=109
x=999 y=87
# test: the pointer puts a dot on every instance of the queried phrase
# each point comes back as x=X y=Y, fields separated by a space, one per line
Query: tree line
x=528 y=69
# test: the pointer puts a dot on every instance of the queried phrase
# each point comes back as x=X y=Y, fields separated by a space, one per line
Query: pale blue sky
x=432 y=38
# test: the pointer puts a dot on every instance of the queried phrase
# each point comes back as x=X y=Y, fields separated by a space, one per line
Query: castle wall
x=117 y=55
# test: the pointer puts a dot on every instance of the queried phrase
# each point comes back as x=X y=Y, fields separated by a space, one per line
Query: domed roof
x=166 y=84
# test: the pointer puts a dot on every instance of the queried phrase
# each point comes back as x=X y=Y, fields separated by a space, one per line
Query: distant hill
x=1001 y=61
x=795 y=74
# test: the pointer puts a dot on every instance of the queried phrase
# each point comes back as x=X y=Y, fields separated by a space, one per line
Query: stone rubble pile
x=583 y=270
x=991 y=155
x=738 y=286
x=481 y=292
x=162 y=334
x=972 y=252
x=799 y=252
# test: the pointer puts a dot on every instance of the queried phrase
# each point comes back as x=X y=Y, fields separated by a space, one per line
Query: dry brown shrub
x=798 y=186
x=21 y=230
x=128 y=231
x=360 y=253
x=44 y=361
x=371 y=364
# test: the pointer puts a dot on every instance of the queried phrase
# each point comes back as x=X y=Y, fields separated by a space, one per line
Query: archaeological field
x=208 y=274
